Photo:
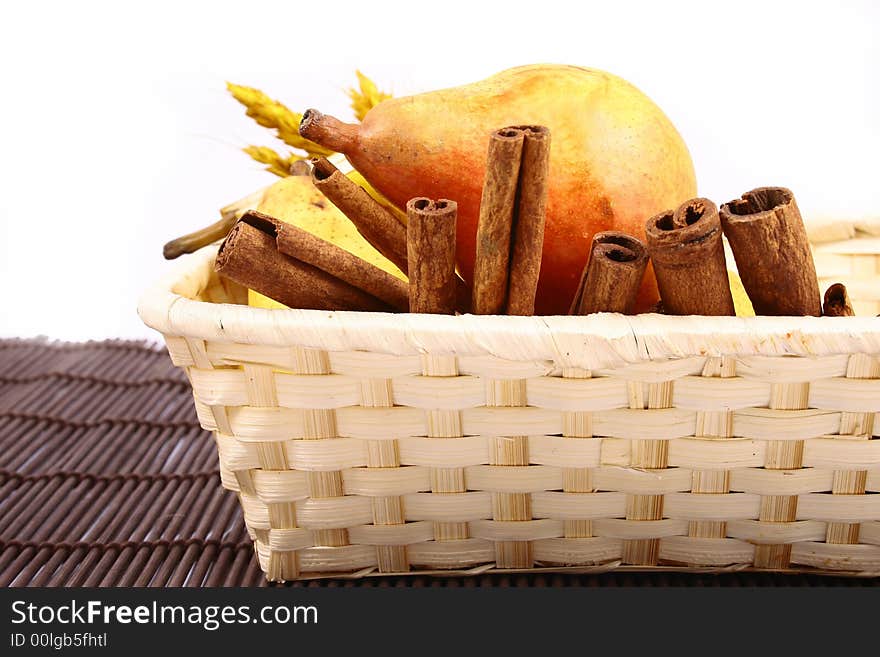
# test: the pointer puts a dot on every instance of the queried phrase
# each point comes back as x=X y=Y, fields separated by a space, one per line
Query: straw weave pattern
x=350 y=461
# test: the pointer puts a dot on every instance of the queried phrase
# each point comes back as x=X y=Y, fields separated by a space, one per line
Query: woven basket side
x=348 y=463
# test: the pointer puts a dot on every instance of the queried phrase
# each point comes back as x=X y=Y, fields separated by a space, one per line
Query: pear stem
x=198 y=239
x=328 y=131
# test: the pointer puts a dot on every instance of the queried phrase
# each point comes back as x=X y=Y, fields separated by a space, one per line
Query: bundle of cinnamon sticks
x=296 y=268
x=684 y=247
x=302 y=271
x=510 y=232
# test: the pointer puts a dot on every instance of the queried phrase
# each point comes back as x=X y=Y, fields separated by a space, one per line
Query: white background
x=116 y=132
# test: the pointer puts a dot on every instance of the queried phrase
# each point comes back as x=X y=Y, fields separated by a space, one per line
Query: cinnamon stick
x=528 y=225
x=612 y=276
x=688 y=257
x=326 y=256
x=249 y=256
x=497 y=207
x=378 y=226
x=772 y=252
x=836 y=302
x=431 y=254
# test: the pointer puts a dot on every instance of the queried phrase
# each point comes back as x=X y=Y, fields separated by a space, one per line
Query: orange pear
x=616 y=159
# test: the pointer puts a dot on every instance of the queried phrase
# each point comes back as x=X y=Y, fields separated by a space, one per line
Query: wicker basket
x=850 y=252
x=363 y=443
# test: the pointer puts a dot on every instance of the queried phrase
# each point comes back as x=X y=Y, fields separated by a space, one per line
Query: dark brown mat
x=106 y=479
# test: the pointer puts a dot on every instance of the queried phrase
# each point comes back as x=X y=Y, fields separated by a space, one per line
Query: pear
x=616 y=159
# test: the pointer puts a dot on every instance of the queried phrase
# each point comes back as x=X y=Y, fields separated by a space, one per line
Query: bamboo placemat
x=101 y=452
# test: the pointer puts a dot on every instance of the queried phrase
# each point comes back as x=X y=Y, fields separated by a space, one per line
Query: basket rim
x=830 y=230
x=593 y=341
